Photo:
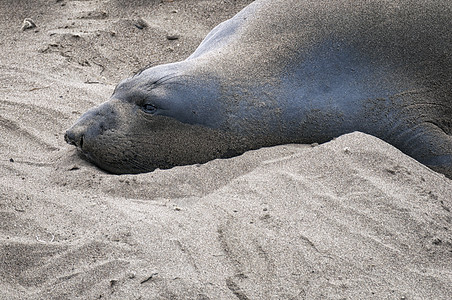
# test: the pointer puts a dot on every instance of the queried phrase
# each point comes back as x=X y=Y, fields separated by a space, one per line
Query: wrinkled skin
x=287 y=71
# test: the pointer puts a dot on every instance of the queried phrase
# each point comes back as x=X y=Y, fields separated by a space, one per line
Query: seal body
x=287 y=71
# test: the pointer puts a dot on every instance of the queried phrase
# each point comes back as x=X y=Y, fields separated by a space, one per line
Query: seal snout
x=74 y=138
x=90 y=126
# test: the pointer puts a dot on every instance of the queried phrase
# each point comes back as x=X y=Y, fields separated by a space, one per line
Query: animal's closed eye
x=149 y=108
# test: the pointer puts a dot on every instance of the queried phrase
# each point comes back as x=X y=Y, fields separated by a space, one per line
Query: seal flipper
x=416 y=120
x=224 y=32
x=439 y=154
x=428 y=144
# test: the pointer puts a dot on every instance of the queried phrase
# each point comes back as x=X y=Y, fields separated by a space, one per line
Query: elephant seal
x=287 y=71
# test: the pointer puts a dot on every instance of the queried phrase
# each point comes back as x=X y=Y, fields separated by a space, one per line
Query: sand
x=350 y=219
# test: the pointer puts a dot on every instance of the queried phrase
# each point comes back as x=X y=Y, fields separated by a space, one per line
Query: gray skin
x=287 y=71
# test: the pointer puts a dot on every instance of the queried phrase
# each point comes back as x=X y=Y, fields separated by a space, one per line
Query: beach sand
x=353 y=218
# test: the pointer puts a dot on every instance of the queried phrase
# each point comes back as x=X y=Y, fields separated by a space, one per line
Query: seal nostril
x=66 y=138
x=69 y=138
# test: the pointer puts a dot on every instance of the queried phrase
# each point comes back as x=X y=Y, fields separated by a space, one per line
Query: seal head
x=156 y=119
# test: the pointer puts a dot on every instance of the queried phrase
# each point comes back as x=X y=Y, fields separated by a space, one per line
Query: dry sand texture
x=351 y=219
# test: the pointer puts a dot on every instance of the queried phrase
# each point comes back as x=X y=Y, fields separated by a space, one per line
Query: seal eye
x=149 y=108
